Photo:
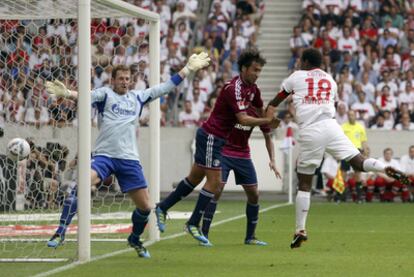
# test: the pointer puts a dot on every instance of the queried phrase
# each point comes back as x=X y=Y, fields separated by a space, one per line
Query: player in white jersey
x=116 y=149
x=314 y=92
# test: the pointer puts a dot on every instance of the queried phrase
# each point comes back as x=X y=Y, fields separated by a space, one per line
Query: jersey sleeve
x=288 y=84
x=150 y=94
x=99 y=95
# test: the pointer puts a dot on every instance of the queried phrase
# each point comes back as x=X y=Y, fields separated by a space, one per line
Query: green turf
x=344 y=240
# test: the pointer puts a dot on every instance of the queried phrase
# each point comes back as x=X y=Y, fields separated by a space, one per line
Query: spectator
x=363 y=109
x=385 y=101
x=188 y=118
x=297 y=43
x=346 y=42
x=407 y=96
x=380 y=123
x=407 y=164
x=406 y=124
x=341 y=115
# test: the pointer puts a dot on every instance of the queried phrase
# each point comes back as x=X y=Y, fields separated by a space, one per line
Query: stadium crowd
x=33 y=51
x=368 y=46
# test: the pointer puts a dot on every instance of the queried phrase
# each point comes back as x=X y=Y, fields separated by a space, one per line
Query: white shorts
x=315 y=139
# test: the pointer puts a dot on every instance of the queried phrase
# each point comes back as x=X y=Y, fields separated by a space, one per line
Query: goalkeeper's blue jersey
x=118 y=119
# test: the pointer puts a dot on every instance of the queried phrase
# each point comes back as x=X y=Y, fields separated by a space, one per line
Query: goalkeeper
x=116 y=149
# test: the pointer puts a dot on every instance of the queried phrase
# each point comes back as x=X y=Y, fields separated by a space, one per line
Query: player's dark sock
x=208 y=217
x=70 y=207
x=204 y=198
x=183 y=189
x=252 y=214
x=139 y=220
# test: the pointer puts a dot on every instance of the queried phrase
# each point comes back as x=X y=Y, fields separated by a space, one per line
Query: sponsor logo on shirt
x=241 y=127
x=123 y=109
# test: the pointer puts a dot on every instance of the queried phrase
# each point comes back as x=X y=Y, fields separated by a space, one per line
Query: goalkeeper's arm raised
x=59 y=89
x=195 y=63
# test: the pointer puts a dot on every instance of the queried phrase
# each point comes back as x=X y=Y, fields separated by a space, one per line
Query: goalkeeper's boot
x=56 y=240
x=298 y=238
x=161 y=218
x=398 y=175
x=255 y=241
x=195 y=232
x=139 y=247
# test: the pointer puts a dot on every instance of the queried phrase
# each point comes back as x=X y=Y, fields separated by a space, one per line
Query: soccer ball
x=18 y=149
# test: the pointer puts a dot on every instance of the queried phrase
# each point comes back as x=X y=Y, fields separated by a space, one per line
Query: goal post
x=83 y=11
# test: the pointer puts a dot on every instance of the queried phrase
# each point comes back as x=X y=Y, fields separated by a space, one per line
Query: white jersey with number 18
x=313 y=93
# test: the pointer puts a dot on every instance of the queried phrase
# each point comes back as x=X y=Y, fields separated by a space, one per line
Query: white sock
x=302 y=208
x=373 y=165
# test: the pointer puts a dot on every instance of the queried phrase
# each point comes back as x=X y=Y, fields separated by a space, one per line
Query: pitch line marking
x=119 y=252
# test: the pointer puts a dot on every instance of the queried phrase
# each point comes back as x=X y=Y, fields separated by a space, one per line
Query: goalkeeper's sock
x=208 y=217
x=204 y=198
x=183 y=189
x=139 y=220
x=70 y=207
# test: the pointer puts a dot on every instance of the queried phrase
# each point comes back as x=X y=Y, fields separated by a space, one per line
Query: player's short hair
x=247 y=57
x=120 y=67
x=313 y=56
x=388 y=149
x=411 y=147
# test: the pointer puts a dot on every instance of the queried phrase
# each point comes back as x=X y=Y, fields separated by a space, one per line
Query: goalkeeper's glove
x=196 y=62
x=57 y=88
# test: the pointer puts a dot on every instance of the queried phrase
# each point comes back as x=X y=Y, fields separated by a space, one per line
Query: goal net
x=41 y=41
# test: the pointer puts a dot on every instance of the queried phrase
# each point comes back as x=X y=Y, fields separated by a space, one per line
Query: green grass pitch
x=344 y=240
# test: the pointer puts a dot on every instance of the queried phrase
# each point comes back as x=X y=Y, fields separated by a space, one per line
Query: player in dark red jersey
x=236 y=157
x=230 y=108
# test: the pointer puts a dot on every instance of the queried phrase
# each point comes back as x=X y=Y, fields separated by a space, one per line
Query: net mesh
x=38 y=42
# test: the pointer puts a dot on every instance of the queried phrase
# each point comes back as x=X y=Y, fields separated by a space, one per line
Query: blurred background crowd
x=33 y=51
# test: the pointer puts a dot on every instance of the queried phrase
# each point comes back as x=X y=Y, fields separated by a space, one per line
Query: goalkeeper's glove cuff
x=186 y=70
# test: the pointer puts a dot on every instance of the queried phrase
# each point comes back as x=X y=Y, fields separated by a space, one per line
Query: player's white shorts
x=315 y=139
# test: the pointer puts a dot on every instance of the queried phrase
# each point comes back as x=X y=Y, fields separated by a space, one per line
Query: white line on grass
x=119 y=252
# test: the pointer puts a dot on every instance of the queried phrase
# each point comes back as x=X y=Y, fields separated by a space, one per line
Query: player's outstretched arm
x=271 y=151
x=195 y=63
x=271 y=107
x=247 y=120
x=59 y=89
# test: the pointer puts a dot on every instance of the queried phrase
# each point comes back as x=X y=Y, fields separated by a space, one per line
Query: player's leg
x=187 y=185
x=209 y=215
x=70 y=206
x=210 y=188
x=360 y=163
x=252 y=215
x=312 y=148
x=226 y=167
x=132 y=181
x=139 y=219
x=245 y=175
x=184 y=188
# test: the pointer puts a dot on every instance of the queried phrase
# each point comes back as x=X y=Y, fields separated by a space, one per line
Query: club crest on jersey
x=242 y=105
x=216 y=162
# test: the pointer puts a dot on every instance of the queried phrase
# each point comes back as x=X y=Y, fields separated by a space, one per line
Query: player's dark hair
x=247 y=57
x=120 y=67
x=411 y=147
x=313 y=56
x=388 y=149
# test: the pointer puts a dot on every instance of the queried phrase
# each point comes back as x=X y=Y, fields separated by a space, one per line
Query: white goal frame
x=87 y=9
